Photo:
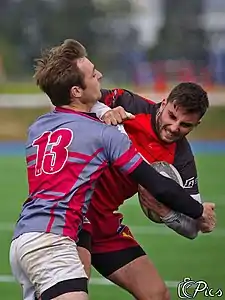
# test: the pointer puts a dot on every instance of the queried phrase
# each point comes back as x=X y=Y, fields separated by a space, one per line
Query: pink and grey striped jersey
x=66 y=153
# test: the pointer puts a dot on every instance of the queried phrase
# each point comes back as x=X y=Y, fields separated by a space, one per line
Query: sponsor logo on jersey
x=189 y=183
x=86 y=221
x=125 y=231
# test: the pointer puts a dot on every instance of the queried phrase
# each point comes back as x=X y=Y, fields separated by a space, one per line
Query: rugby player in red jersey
x=158 y=132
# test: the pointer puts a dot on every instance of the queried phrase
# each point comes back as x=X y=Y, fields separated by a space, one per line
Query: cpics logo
x=190 y=289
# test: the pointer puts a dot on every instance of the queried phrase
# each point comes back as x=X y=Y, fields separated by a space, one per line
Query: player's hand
x=116 y=116
x=151 y=203
x=208 y=220
x=206 y=228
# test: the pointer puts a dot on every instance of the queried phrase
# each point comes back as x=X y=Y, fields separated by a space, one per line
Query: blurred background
x=146 y=46
x=131 y=41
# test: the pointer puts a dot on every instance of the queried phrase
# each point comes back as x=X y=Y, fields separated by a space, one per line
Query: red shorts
x=107 y=232
x=112 y=244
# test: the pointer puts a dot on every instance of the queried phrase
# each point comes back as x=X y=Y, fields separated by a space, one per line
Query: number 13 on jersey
x=52 y=150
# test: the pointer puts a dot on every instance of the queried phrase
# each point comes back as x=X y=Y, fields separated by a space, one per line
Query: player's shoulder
x=84 y=123
x=40 y=119
x=110 y=96
x=132 y=102
x=183 y=151
x=183 y=144
x=140 y=103
x=114 y=92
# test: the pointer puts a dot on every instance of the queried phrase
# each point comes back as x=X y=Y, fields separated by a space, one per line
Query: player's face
x=92 y=92
x=173 y=122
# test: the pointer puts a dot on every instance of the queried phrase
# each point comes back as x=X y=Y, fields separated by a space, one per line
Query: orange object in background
x=206 y=80
x=160 y=80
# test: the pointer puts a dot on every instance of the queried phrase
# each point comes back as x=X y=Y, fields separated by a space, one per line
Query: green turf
x=174 y=256
x=19 y=88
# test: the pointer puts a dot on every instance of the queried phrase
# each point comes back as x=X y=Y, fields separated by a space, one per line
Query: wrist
x=101 y=113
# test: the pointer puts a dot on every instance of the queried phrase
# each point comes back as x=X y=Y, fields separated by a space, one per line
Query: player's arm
x=120 y=152
x=182 y=224
x=185 y=164
x=131 y=102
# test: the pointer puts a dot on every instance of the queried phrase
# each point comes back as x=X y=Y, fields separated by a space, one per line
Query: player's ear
x=163 y=104
x=76 y=92
x=199 y=122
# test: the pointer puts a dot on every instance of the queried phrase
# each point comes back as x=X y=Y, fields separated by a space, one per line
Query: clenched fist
x=208 y=220
x=116 y=116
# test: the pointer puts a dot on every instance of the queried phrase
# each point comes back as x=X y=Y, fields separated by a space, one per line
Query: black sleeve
x=131 y=102
x=166 y=191
x=184 y=162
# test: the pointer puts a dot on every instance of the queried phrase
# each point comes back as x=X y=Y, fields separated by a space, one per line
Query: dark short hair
x=191 y=97
x=56 y=72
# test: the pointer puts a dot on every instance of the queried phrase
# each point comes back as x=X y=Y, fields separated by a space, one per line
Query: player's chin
x=96 y=97
x=169 y=140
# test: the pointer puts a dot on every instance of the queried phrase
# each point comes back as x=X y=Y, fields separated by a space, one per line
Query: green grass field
x=174 y=256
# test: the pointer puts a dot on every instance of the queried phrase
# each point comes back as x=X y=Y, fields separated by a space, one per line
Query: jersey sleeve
x=131 y=102
x=119 y=150
x=100 y=109
x=185 y=164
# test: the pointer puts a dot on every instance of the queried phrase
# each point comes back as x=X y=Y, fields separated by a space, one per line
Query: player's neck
x=79 y=107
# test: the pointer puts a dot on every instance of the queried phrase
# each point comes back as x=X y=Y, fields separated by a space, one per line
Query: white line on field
x=94 y=281
x=152 y=229
x=6 y=278
x=219 y=200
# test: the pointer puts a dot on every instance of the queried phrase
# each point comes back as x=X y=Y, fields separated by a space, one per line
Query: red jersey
x=114 y=188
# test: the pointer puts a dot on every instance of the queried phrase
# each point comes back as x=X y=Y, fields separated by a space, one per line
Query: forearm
x=166 y=191
x=100 y=109
x=182 y=224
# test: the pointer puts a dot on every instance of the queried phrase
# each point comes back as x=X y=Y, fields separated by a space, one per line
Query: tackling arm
x=131 y=102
